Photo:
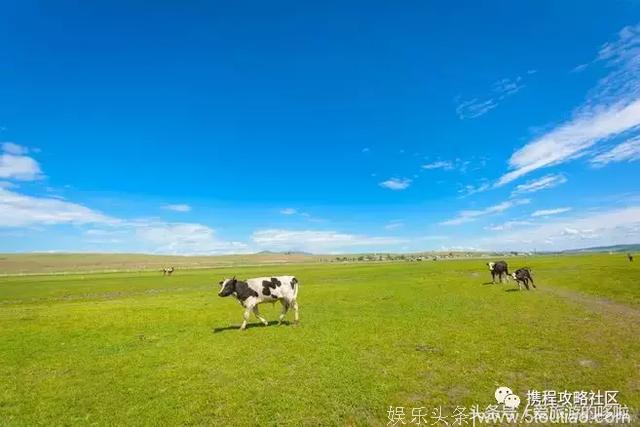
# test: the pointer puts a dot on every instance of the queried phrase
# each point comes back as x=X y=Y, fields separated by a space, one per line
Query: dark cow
x=630 y=257
x=168 y=271
x=252 y=292
x=499 y=269
x=522 y=276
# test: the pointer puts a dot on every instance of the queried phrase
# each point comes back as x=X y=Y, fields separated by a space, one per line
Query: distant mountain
x=283 y=253
x=615 y=248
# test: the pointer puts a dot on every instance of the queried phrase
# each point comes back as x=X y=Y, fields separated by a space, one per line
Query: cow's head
x=514 y=276
x=227 y=287
x=490 y=265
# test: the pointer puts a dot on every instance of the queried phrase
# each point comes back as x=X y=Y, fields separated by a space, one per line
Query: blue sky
x=210 y=128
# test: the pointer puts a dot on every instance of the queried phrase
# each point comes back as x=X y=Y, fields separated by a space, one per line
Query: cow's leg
x=257 y=313
x=247 y=313
x=532 y=284
x=296 y=318
x=285 y=308
x=526 y=283
x=493 y=277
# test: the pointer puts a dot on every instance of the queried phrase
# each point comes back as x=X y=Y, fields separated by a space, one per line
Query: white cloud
x=396 y=184
x=289 y=211
x=185 y=239
x=475 y=107
x=392 y=225
x=13 y=148
x=181 y=207
x=500 y=90
x=612 y=108
x=627 y=151
x=471 y=215
x=22 y=168
x=468 y=190
x=18 y=210
x=616 y=226
x=509 y=225
x=547 y=181
x=549 y=212
x=317 y=240
x=440 y=164
x=572 y=139
x=622 y=58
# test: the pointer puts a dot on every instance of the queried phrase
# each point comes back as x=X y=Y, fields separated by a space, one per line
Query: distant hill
x=25 y=263
x=284 y=253
x=615 y=248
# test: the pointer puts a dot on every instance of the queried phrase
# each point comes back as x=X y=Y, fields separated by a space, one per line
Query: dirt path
x=596 y=304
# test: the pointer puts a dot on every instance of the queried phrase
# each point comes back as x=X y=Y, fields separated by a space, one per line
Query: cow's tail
x=296 y=285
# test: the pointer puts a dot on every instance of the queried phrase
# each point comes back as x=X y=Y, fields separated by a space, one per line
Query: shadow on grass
x=249 y=326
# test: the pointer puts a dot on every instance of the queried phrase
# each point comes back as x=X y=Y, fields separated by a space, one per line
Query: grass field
x=139 y=348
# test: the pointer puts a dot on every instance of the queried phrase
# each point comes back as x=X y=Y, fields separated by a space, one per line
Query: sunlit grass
x=138 y=348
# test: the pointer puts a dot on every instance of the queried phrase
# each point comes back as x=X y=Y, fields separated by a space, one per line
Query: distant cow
x=168 y=271
x=252 y=292
x=499 y=269
x=522 y=277
x=630 y=257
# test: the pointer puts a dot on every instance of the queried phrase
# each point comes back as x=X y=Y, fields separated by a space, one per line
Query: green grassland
x=142 y=349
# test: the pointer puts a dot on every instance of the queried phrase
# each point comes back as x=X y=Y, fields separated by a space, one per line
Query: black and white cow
x=252 y=292
x=522 y=276
x=630 y=257
x=498 y=268
x=168 y=271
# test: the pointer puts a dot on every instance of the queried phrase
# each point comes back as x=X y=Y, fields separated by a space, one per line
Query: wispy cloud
x=627 y=151
x=549 y=212
x=500 y=90
x=547 y=181
x=185 y=239
x=472 y=215
x=19 y=210
x=440 y=164
x=177 y=207
x=396 y=184
x=612 y=108
x=289 y=211
x=509 y=225
x=392 y=225
x=468 y=190
x=572 y=139
x=615 y=226
x=15 y=164
x=13 y=148
x=317 y=240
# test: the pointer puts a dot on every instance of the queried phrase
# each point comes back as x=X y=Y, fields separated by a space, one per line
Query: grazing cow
x=630 y=257
x=522 y=276
x=498 y=268
x=252 y=292
x=168 y=271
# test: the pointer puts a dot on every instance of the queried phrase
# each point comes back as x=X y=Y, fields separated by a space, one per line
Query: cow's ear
x=234 y=279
